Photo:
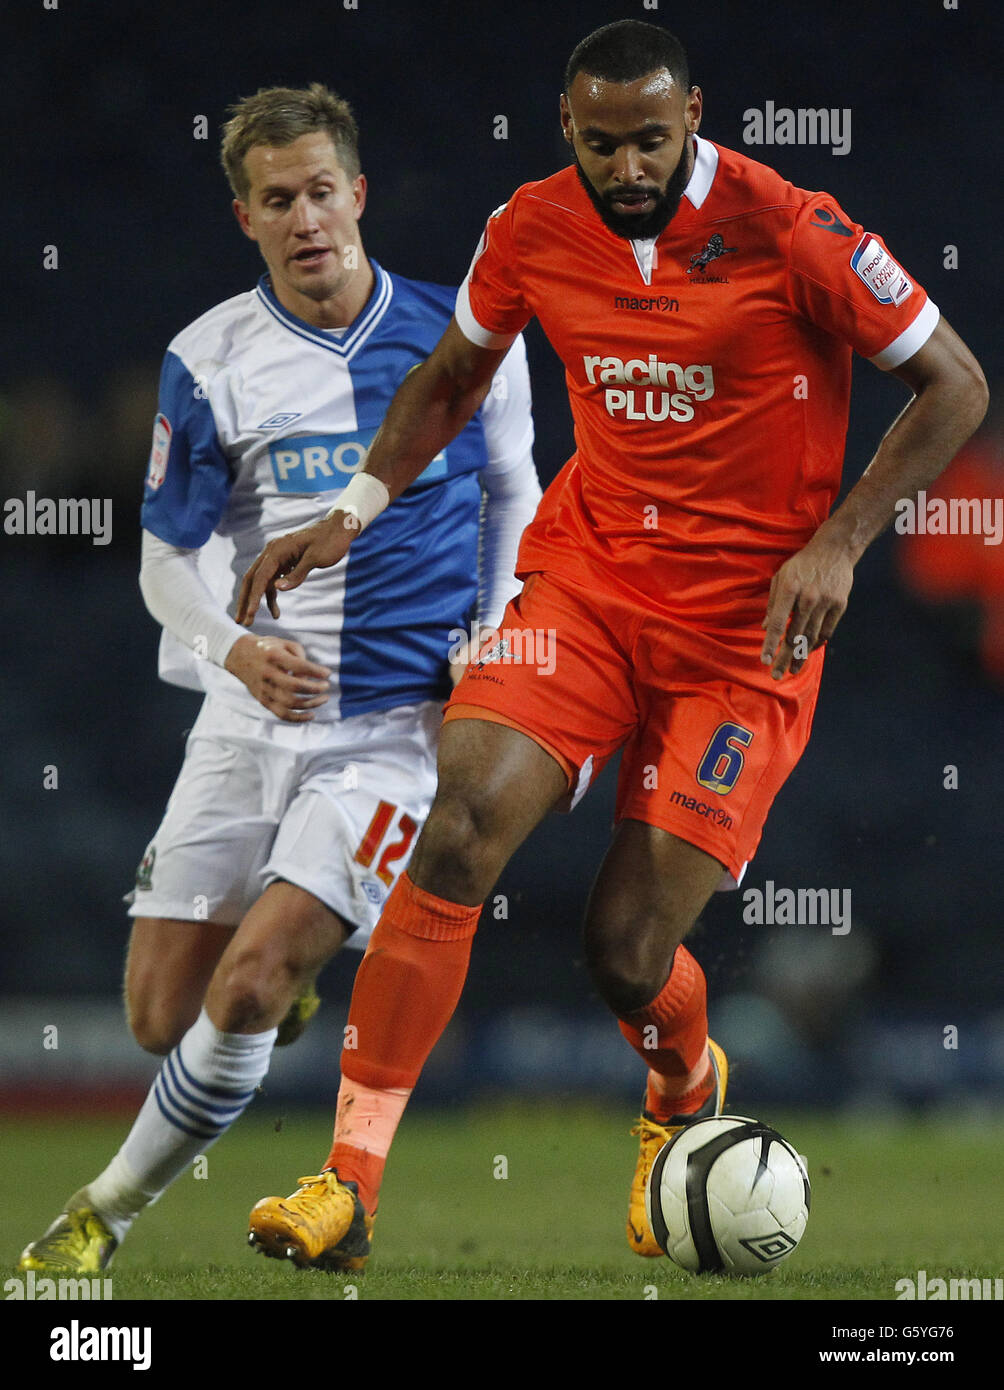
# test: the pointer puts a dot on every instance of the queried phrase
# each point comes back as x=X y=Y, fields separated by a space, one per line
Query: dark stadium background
x=99 y=103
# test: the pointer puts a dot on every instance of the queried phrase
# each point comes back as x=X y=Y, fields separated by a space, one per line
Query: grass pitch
x=525 y=1202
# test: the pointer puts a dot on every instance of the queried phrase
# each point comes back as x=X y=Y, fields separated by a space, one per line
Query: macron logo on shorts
x=682 y=386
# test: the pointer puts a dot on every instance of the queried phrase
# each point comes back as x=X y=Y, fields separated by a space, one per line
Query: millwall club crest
x=498 y=652
x=144 y=874
x=716 y=247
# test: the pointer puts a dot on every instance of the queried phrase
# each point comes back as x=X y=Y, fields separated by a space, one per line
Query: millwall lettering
x=684 y=386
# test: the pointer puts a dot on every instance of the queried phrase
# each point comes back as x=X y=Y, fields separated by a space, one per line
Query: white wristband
x=364 y=498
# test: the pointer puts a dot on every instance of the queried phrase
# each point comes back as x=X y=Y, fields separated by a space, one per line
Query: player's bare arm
x=278 y=674
x=431 y=406
x=809 y=593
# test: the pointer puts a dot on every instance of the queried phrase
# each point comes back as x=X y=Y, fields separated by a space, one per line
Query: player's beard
x=653 y=223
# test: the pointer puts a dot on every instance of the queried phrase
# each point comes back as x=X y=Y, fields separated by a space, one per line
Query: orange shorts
x=708 y=736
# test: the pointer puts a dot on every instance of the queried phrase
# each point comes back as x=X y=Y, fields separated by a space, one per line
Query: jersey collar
x=357 y=332
x=702 y=176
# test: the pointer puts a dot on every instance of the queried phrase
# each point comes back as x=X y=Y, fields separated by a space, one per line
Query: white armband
x=364 y=498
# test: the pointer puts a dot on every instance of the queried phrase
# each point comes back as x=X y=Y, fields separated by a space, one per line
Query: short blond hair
x=279 y=115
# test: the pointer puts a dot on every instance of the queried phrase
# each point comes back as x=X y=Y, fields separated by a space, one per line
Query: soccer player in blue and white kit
x=311 y=766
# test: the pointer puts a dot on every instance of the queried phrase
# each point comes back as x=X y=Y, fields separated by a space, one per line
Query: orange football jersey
x=708 y=371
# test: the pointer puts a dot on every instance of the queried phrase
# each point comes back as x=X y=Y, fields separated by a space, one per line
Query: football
x=728 y=1195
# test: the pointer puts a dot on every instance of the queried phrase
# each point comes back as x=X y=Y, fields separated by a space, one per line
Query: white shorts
x=334 y=807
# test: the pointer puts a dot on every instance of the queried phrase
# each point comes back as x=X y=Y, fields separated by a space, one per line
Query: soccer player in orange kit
x=685 y=561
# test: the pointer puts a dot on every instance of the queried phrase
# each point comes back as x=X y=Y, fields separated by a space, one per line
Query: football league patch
x=144 y=874
x=157 y=470
x=883 y=276
x=482 y=245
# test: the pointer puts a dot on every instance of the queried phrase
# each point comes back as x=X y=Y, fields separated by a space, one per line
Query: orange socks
x=406 y=990
x=670 y=1035
x=365 y=1124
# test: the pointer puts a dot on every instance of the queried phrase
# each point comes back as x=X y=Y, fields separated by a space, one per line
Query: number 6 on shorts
x=723 y=759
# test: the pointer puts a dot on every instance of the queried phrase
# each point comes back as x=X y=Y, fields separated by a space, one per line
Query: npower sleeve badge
x=885 y=278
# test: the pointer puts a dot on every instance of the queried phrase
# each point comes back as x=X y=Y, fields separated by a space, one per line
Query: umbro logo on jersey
x=828 y=221
x=716 y=247
x=276 y=422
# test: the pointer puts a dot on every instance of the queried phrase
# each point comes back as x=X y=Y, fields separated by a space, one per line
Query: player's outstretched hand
x=808 y=597
x=279 y=676
x=286 y=562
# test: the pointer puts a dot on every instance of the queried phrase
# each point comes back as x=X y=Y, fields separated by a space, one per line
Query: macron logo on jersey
x=883 y=276
x=687 y=385
x=325 y=462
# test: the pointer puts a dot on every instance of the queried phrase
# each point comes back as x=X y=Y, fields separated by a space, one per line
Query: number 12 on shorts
x=375 y=835
x=723 y=759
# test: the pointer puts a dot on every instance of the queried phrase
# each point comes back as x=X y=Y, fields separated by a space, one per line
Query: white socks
x=203 y=1086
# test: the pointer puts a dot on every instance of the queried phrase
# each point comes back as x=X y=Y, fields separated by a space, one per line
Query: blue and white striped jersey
x=262 y=421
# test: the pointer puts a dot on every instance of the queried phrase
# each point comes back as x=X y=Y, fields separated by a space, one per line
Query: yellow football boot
x=299 y=1014
x=652 y=1136
x=322 y=1225
x=77 y=1240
